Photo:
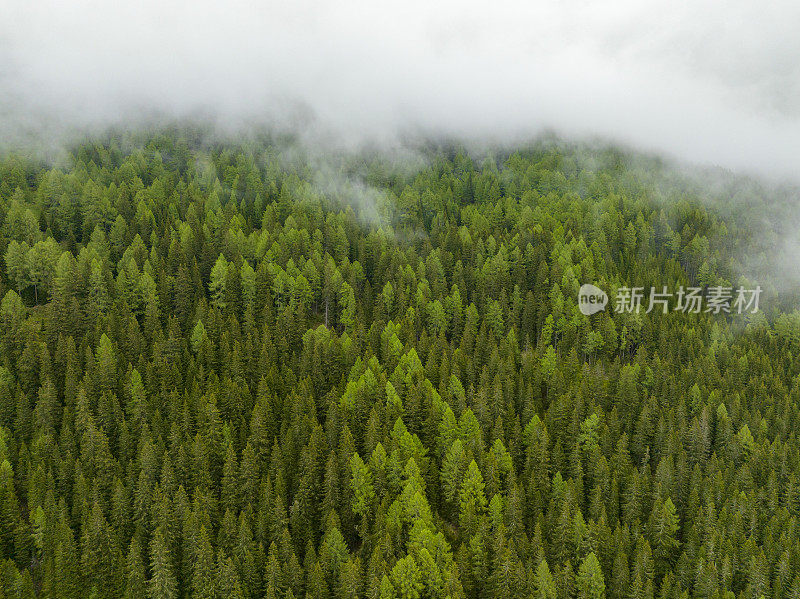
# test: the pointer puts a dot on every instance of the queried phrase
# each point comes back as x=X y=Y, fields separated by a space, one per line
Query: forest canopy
x=230 y=370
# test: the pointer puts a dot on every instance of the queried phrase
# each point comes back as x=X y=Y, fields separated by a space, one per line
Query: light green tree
x=218 y=282
x=589 y=582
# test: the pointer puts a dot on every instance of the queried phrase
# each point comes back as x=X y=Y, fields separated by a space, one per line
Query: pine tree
x=407 y=579
x=135 y=581
x=217 y=285
x=664 y=526
x=162 y=583
x=589 y=582
x=544 y=586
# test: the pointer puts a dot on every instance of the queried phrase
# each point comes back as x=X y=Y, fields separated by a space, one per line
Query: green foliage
x=589 y=582
x=198 y=344
x=361 y=483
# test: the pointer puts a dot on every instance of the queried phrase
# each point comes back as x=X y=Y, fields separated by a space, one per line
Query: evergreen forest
x=230 y=369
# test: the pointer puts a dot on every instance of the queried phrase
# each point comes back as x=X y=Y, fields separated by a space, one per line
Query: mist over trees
x=225 y=373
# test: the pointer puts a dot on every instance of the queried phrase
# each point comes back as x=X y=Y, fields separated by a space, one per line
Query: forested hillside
x=226 y=371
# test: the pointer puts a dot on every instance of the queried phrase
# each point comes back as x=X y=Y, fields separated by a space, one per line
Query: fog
x=705 y=83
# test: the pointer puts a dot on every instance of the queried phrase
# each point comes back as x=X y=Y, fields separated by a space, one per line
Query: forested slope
x=226 y=372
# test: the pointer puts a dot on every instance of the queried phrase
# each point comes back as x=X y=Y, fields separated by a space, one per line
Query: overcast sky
x=703 y=81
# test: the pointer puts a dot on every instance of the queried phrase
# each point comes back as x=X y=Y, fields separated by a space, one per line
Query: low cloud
x=708 y=84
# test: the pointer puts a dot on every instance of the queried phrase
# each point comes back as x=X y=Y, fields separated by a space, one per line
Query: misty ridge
x=711 y=87
x=711 y=100
x=359 y=172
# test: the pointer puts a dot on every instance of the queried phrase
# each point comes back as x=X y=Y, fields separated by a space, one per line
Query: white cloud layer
x=711 y=83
